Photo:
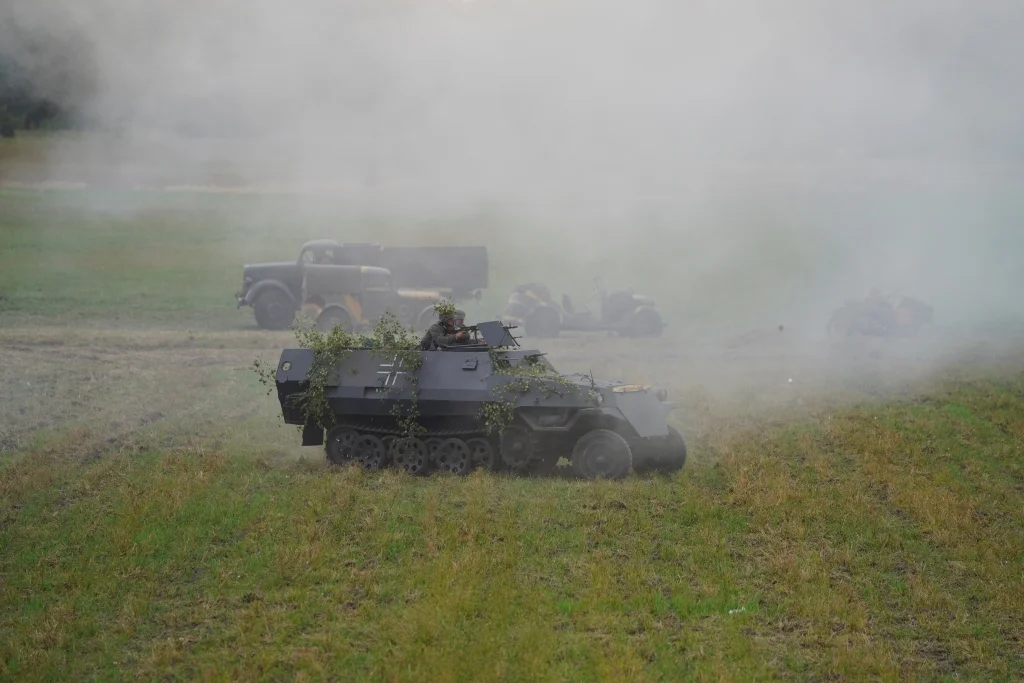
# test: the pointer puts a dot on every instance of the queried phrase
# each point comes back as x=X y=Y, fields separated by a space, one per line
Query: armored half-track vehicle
x=487 y=403
x=277 y=291
x=624 y=312
x=880 y=316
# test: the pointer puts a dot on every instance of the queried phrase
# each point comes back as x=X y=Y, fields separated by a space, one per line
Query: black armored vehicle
x=487 y=403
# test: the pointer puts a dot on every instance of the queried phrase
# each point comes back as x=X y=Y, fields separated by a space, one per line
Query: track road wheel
x=482 y=454
x=274 y=310
x=369 y=452
x=517 y=447
x=432 y=443
x=601 y=454
x=339 y=445
x=410 y=454
x=453 y=456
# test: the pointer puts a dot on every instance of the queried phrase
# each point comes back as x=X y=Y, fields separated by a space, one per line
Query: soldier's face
x=457 y=322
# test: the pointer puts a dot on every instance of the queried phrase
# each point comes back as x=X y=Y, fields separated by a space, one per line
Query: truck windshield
x=317 y=256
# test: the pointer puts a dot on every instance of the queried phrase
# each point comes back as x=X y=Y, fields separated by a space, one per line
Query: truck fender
x=265 y=285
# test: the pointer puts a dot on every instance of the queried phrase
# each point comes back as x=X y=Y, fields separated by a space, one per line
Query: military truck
x=355 y=297
x=275 y=290
x=624 y=312
x=488 y=403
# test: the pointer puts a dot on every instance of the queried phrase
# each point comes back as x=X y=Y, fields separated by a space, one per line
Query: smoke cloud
x=776 y=156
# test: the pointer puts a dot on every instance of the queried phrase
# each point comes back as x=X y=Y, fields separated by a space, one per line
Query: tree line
x=22 y=107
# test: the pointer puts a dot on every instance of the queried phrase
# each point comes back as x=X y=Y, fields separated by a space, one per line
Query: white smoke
x=780 y=156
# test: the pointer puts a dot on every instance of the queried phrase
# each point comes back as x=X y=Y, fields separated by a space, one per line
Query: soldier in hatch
x=442 y=333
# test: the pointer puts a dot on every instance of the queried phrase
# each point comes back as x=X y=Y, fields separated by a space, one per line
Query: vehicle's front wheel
x=274 y=310
x=646 y=323
x=666 y=457
x=601 y=454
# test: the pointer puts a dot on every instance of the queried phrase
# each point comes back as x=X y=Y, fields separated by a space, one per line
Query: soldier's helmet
x=457 y=316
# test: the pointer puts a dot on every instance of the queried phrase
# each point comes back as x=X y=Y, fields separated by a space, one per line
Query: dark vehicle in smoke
x=622 y=311
x=606 y=428
x=901 y=316
x=275 y=290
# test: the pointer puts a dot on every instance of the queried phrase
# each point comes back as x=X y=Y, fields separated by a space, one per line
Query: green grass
x=880 y=541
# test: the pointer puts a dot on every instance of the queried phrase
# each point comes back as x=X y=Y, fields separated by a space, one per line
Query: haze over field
x=784 y=157
x=848 y=508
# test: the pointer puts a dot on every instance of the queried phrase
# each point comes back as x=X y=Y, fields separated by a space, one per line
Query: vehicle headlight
x=630 y=388
x=598 y=399
x=662 y=394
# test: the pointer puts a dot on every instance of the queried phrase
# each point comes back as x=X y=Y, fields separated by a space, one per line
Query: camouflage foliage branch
x=497 y=415
x=445 y=308
x=330 y=348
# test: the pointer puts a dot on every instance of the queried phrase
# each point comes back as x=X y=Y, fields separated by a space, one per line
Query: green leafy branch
x=531 y=373
x=329 y=349
x=445 y=308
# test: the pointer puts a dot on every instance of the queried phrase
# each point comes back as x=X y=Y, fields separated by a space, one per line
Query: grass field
x=158 y=521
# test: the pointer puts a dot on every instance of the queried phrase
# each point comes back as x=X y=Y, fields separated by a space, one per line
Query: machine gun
x=493 y=334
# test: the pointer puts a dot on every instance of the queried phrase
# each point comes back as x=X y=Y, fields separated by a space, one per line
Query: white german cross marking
x=391 y=375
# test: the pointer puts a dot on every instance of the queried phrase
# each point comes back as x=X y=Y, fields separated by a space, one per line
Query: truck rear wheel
x=274 y=310
x=543 y=322
x=602 y=454
x=334 y=317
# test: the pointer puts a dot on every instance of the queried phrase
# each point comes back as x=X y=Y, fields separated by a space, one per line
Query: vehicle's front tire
x=666 y=457
x=601 y=454
x=646 y=323
x=274 y=310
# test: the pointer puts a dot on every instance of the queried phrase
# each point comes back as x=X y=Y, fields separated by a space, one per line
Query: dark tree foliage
x=20 y=105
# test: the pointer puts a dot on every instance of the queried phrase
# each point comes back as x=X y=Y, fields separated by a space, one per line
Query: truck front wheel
x=274 y=310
